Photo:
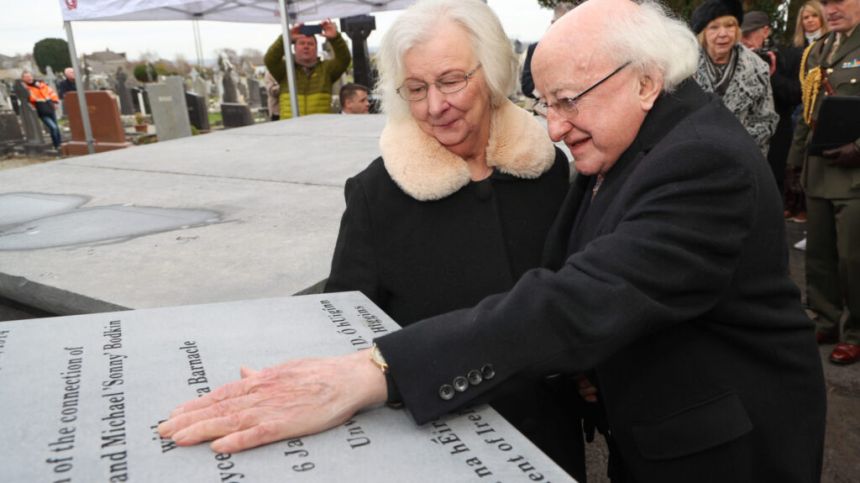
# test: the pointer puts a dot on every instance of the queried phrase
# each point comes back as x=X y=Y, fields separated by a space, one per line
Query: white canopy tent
x=283 y=12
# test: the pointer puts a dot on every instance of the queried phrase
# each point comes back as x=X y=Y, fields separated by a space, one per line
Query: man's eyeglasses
x=567 y=106
x=415 y=90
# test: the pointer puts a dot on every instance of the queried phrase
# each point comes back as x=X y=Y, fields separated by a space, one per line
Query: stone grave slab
x=199 y=85
x=82 y=397
x=169 y=110
x=229 y=88
x=242 y=89
x=254 y=99
x=105 y=121
x=5 y=102
x=10 y=132
x=277 y=185
x=20 y=207
x=234 y=114
x=125 y=101
x=198 y=113
x=264 y=101
x=138 y=93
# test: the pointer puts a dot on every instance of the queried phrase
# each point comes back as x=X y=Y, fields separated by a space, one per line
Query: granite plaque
x=198 y=113
x=254 y=99
x=126 y=103
x=5 y=102
x=82 y=395
x=138 y=94
x=169 y=110
x=236 y=115
x=10 y=132
x=105 y=121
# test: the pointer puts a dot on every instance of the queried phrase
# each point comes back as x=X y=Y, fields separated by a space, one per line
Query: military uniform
x=833 y=192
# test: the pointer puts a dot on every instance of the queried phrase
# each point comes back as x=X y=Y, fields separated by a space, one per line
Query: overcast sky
x=23 y=23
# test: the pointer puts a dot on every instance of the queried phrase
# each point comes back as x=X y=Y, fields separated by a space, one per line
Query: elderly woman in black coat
x=460 y=202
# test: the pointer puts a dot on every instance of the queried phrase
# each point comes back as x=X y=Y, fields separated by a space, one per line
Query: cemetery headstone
x=242 y=87
x=50 y=78
x=108 y=133
x=82 y=397
x=236 y=115
x=16 y=103
x=138 y=93
x=5 y=102
x=219 y=86
x=230 y=95
x=264 y=100
x=168 y=109
x=87 y=76
x=151 y=73
x=254 y=99
x=125 y=102
x=36 y=142
x=10 y=132
x=200 y=87
x=198 y=112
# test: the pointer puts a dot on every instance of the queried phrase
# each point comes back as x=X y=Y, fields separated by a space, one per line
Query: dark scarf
x=720 y=76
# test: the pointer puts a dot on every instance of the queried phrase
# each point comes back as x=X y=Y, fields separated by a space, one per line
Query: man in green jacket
x=314 y=77
x=832 y=183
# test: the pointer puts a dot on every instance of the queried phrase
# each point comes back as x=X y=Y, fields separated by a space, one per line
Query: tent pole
x=198 y=42
x=79 y=87
x=288 y=58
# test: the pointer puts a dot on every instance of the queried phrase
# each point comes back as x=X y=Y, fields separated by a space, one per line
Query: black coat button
x=488 y=372
x=460 y=384
x=474 y=377
x=446 y=392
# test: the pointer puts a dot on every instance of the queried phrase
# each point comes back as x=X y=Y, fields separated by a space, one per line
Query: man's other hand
x=329 y=29
x=847 y=156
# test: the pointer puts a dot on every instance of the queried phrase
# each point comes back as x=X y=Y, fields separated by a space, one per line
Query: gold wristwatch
x=376 y=358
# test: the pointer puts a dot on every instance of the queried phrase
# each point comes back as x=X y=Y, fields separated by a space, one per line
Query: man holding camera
x=784 y=66
x=314 y=77
x=831 y=178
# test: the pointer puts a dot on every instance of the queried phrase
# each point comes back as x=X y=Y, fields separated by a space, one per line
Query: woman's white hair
x=653 y=39
x=420 y=22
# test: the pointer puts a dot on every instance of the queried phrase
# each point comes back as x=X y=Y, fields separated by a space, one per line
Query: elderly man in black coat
x=666 y=272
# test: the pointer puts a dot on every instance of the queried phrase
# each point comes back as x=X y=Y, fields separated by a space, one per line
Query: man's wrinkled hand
x=847 y=156
x=289 y=400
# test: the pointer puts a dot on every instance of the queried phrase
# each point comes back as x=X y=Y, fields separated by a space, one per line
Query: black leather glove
x=847 y=156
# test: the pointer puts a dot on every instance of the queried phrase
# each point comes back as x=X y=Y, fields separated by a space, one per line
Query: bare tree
x=183 y=67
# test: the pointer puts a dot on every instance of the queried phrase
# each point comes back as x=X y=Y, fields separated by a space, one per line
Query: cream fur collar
x=425 y=170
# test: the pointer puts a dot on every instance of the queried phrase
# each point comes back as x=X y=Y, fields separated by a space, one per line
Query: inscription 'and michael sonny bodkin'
x=86 y=405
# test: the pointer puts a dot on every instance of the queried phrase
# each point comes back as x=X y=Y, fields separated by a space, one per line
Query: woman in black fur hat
x=732 y=71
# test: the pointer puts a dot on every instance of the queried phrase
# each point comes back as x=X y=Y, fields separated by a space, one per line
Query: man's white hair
x=653 y=39
x=419 y=24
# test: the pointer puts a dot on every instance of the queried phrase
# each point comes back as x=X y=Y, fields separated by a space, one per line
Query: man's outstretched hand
x=293 y=399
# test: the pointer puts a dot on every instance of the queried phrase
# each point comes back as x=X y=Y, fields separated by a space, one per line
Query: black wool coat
x=673 y=284
x=416 y=259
